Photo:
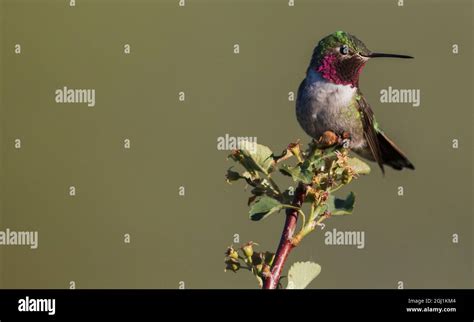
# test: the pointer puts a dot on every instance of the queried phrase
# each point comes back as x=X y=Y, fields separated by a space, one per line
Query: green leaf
x=264 y=207
x=297 y=173
x=339 y=206
x=260 y=157
x=301 y=274
x=359 y=166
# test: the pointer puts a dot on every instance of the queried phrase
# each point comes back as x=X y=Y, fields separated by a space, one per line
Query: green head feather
x=338 y=39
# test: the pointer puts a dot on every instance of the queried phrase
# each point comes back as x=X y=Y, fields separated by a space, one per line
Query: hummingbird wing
x=370 y=133
x=382 y=148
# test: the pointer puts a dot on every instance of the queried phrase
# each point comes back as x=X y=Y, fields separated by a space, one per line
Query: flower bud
x=248 y=250
x=232 y=253
x=295 y=149
x=232 y=264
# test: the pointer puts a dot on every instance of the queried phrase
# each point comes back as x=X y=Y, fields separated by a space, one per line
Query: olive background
x=173 y=143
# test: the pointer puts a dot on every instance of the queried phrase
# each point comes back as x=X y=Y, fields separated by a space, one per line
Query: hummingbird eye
x=344 y=49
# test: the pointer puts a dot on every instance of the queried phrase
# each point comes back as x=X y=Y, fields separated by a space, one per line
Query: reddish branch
x=286 y=245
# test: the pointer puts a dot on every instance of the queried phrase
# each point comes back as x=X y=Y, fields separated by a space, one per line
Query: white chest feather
x=325 y=106
x=327 y=96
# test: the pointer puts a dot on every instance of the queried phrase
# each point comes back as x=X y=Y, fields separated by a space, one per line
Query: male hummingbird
x=329 y=99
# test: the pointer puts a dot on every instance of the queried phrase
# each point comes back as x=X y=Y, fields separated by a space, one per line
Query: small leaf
x=261 y=187
x=339 y=206
x=246 y=162
x=359 y=166
x=315 y=164
x=297 y=173
x=264 y=207
x=260 y=156
x=301 y=274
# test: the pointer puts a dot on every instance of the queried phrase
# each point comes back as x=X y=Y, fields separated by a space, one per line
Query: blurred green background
x=173 y=143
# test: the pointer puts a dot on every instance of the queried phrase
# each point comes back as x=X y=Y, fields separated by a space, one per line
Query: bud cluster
x=245 y=257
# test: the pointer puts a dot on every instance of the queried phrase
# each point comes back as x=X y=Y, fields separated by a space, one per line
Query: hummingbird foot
x=329 y=138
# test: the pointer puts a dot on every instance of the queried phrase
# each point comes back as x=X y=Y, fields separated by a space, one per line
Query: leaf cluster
x=321 y=171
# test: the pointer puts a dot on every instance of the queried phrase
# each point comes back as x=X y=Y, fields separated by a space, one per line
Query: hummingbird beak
x=375 y=55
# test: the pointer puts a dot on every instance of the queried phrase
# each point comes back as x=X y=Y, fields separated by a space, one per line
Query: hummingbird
x=329 y=99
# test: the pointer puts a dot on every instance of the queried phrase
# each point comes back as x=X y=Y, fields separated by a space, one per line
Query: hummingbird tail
x=392 y=155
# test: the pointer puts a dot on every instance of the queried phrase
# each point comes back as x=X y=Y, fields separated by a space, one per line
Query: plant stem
x=286 y=245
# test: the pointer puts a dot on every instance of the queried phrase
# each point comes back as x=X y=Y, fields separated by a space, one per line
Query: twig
x=286 y=245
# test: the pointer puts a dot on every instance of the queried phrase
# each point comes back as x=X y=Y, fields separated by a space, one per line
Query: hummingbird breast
x=325 y=106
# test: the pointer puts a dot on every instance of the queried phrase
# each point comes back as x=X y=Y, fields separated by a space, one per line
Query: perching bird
x=329 y=99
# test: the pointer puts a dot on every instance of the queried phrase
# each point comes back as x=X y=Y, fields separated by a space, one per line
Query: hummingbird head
x=340 y=57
